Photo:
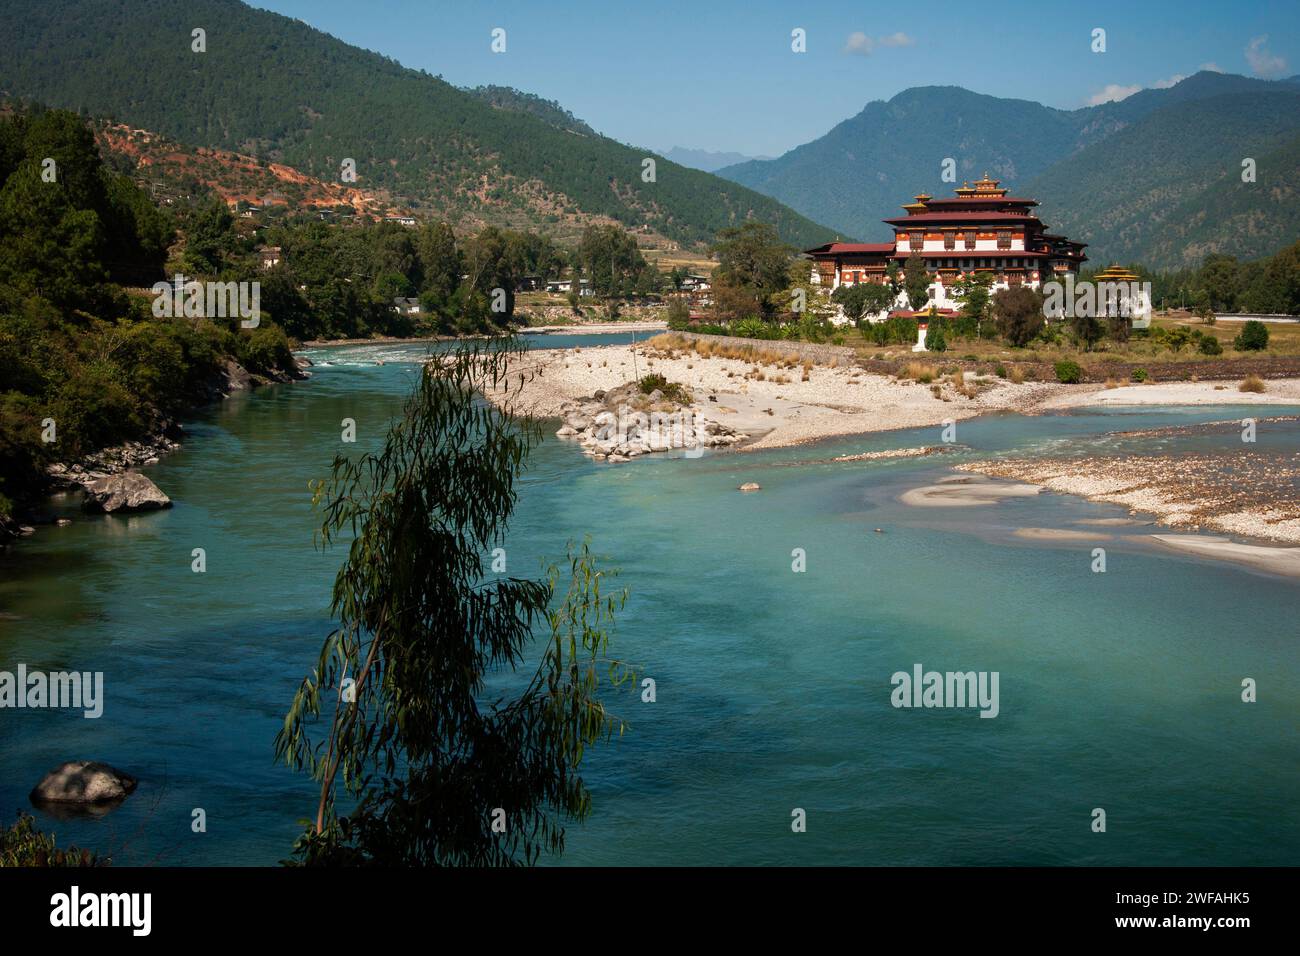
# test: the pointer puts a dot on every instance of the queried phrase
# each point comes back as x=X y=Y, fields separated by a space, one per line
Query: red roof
x=955 y=216
x=850 y=248
x=983 y=199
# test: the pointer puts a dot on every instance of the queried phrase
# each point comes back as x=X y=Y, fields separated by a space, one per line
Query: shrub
x=24 y=845
x=265 y=349
x=1252 y=383
x=920 y=372
x=671 y=390
x=1209 y=345
x=936 y=339
x=1252 y=338
x=1068 y=372
x=1000 y=371
x=1139 y=375
x=678 y=315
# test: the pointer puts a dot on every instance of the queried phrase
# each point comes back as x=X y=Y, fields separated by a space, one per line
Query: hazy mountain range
x=706 y=160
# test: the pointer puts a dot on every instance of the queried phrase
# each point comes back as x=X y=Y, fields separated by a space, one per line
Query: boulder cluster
x=623 y=424
x=107 y=477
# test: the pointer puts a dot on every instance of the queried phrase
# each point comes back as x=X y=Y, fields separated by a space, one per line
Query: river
x=1118 y=690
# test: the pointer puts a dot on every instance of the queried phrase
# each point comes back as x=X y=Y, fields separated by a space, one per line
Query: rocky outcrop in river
x=130 y=491
x=83 y=782
x=623 y=424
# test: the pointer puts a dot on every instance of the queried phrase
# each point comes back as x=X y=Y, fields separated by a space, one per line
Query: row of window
x=916 y=240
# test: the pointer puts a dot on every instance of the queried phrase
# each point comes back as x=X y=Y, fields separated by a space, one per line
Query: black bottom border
x=267 y=904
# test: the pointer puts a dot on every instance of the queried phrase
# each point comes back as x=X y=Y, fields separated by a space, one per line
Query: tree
x=753 y=268
x=916 y=282
x=1220 y=281
x=678 y=314
x=852 y=299
x=1253 y=337
x=609 y=255
x=209 y=238
x=440 y=265
x=1019 y=314
x=428 y=759
x=1088 y=329
x=936 y=335
x=973 y=291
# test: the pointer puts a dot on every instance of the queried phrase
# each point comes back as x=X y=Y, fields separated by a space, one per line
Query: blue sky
x=721 y=75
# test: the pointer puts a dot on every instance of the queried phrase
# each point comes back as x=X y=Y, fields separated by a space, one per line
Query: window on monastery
x=1004 y=239
x=970 y=239
x=949 y=240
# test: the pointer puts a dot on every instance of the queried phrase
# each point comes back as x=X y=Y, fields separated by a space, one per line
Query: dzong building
x=980 y=229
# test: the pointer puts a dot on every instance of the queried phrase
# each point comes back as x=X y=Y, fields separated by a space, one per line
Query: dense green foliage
x=1253 y=337
x=1068 y=372
x=1018 y=312
x=752 y=273
x=444 y=752
x=1155 y=177
x=1223 y=284
x=548 y=111
x=1168 y=189
x=936 y=335
x=278 y=89
x=83 y=365
x=24 y=845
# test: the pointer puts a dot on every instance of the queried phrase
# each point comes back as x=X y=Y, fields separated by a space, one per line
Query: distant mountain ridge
x=706 y=160
x=1085 y=165
x=277 y=89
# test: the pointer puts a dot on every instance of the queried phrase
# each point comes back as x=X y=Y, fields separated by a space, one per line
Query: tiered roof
x=984 y=202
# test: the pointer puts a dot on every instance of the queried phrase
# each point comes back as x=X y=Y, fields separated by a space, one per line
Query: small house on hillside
x=407 y=305
x=270 y=256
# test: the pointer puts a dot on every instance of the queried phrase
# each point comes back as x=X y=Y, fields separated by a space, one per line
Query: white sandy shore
x=779 y=410
x=599 y=328
x=1263 y=557
x=1285 y=391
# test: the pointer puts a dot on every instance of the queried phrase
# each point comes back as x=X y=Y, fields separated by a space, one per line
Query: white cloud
x=1112 y=93
x=1262 y=62
x=862 y=45
x=897 y=39
x=1212 y=67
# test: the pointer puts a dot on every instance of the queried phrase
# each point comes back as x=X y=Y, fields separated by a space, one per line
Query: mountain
x=705 y=159
x=1167 y=189
x=173 y=173
x=1084 y=165
x=276 y=89
x=548 y=111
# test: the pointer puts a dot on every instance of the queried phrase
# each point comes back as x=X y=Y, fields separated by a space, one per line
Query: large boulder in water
x=129 y=491
x=83 y=782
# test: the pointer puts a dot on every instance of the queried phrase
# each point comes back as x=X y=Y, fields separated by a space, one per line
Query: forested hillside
x=277 y=89
x=1168 y=189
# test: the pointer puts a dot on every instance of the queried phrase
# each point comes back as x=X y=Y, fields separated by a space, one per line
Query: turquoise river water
x=1118 y=690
